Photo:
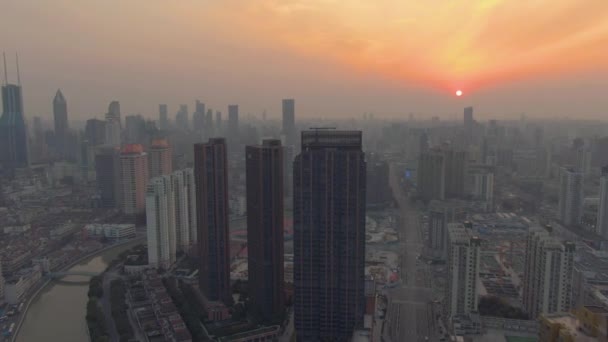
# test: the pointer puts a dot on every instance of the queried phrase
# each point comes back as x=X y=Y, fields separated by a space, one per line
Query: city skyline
x=410 y=61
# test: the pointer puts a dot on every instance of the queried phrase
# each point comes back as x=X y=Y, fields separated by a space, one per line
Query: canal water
x=58 y=312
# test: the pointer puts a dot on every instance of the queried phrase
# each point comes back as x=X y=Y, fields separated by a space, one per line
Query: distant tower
x=181 y=118
x=159 y=158
x=602 y=210
x=163 y=117
x=218 y=122
x=113 y=125
x=160 y=222
x=233 y=122
x=108 y=171
x=13 y=129
x=134 y=166
x=469 y=122
x=548 y=268
x=265 y=229
x=95 y=132
x=463 y=271
x=431 y=175
x=570 y=197
x=329 y=254
x=60 y=115
x=289 y=128
x=182 y=192
x=442 y=213
x=199 y=117
x=211 y=178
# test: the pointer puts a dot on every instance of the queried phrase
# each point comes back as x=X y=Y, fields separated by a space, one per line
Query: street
x=409 y=315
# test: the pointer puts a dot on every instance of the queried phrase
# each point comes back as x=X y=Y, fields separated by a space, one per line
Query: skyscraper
x=199 y=117
x=218 y=123
x=135 y=129
x=113 y=127
x=211 y=179
x=160 y=222
x=134 y=173
x=570 y=196
x=289 y=128
x=602 y=210
x=159 y=158
x=13 y=130
x=442 y=213
x=60 y=115
x=233 y=121
x=469 y=123
x=431 y=175
x=264 y=166
x=329 y=235
x=463 y=271
x=455 y=170
x=182 y=191
x=548 y=268
x=95 y=132
x=163 y=117
x=108 y=171
x=181 y=118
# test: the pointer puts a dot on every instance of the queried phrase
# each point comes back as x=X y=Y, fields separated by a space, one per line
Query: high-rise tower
x=264 y=165
x=211 y=179
x=289 y=128
x=602 y=210
x=329 y=235
x=60 y=116
x=570 y=204
x=134 y=172
x=159 y=158
x=13 y=130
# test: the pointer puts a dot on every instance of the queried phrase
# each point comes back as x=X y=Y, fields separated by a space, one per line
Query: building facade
x=159 y=158
x=160 y=222
x=431 y=175
x=134 y=179
x=602 y=210
x=329 y=235
x=570 y=204
x=60 y=119
x=108 y=172
x=13 y=129
x=548 y=271
x=211 y=179
x=264 y=181
x=463 y=271
x=289 y=121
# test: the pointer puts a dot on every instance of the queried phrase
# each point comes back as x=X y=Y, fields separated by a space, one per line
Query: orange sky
x=404 y=55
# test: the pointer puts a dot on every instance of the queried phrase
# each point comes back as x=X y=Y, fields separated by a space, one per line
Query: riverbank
x=47 y=281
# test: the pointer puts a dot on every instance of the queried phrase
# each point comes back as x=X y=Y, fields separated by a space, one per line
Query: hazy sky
x=335 y=57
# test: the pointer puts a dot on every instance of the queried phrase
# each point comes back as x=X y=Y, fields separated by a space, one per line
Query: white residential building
x=570 y=197
x=160 y=220
x=548 y=271
x=111 y=231
x=601 y=227
x=463 y=271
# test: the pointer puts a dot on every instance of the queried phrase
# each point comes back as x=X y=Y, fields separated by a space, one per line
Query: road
x=409 y=315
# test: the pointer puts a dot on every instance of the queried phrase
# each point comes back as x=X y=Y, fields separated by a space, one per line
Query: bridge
x=72 y=273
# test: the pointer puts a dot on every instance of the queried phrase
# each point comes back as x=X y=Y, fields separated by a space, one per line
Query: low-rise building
x=111 y=231
x=18 y=285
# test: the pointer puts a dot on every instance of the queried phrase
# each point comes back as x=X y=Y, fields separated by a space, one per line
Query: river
x=58 y=312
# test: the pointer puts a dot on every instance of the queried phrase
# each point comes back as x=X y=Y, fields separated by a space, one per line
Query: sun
x=458 y=92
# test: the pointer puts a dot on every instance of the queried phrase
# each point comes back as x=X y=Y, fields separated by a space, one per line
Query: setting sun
x=458 y=92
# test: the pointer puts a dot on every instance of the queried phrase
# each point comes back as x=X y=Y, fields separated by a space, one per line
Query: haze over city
x=339 y=58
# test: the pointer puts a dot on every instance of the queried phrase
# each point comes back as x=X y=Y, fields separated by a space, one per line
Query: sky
x=337 y=58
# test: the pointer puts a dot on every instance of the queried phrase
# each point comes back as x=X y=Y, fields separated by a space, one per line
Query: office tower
x=209 y=129
x=289 y=125
x=108 y=172
x=548 y=269
x=60 y=116
x=601 y=227
x=329 y=235
x=469 y=123
x=233 y=122
x=463 y=271
x=570 y=197
x=182 y=209
x=442 y=213
x=135 y=129
x=13 y=130
x=481 y=184
x=378 y=187
x=431 y=175
x=211 y=179
x=163 y=117
x=181 y=118
x=455 y=170
x=113 y=127
x=160 y=222
x=114 y=112
x=159 y=158
x=264 y=165
x=218 y=122
x=583 y=160
x=95 y=132
x=134 y=173
x=199 y=117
